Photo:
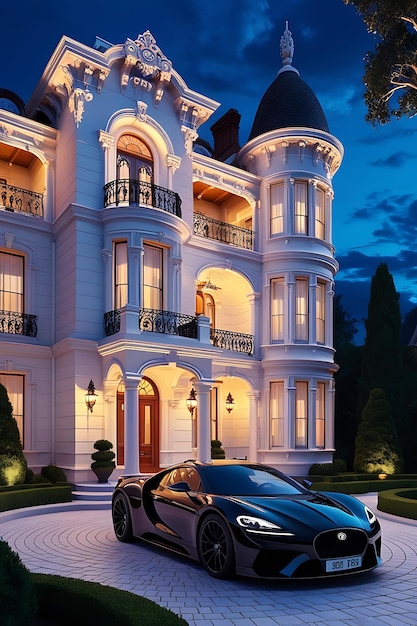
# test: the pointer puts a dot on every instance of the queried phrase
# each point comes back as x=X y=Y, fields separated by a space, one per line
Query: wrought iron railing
x=229 y=340
x=18 y=323
x=221 y=231
x=136 y=193
x=168 y=323
x=23 y=200
x=112 y=322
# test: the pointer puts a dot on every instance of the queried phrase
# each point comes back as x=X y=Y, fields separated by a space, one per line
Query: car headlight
x=370 y=515
x=259 y=526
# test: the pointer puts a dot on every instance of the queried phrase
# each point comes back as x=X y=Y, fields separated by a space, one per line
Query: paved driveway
x=81 y=544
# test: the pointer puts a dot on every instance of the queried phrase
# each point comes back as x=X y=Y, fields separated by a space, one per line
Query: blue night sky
x=229 y=51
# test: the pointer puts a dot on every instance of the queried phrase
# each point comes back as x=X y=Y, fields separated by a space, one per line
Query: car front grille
x=340 y=543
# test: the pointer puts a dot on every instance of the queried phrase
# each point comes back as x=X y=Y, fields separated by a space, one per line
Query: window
x=152 y=277
x=276 y=414
x=320 y=312
x=14 y=384
x=320 y=223
x=277 y=309
x=11 y=282
x=205 y=305
x=134 y=159
x=320 y=414
x=120 y=274
x=301 y=309
x=301 y=414
x=300 y=225
x=277 y=209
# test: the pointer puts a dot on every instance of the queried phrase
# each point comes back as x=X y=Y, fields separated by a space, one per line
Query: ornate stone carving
x=190 y=136
x=146 y=57
x=106 y=140
x=8 y=240
x=141 y=111
x=76 y=103
x=286 y=46
x=173 y=162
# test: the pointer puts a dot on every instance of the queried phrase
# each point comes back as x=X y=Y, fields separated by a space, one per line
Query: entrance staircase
x=93 y=495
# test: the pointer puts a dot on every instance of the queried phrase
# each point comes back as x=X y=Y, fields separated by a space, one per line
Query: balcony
x=221 y=231
x=129 y=192
x=170 y=323
x=21 y=200
x=18 y=324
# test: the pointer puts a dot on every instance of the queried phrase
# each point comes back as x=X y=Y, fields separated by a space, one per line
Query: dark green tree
x=383 y=354
x=348 y=357
x=377 y=448
x=391 y=69
x=13 y=465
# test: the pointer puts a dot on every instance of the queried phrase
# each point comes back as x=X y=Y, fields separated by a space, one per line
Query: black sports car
x=249 y=519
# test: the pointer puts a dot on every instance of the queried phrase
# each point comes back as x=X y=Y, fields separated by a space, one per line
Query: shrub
x=54 y=474
x=18 y=599
x=104 y=457
x=217 y=451
x=13 y=464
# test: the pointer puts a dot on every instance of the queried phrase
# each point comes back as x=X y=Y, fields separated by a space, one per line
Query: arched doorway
x=148 y=426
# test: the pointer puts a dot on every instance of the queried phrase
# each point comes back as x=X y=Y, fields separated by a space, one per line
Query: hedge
x=361 y=486
x=18 y=496
x=86 y=603
x=402 y=502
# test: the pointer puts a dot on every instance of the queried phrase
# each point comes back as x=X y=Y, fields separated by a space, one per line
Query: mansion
x=155 y=290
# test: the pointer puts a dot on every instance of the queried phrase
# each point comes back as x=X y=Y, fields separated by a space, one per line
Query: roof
x=288 y=102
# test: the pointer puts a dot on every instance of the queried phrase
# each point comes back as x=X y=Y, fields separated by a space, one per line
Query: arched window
x=205 y=305
x=134 y=159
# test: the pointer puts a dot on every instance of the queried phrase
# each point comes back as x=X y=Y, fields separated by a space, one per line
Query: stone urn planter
x=103 y=460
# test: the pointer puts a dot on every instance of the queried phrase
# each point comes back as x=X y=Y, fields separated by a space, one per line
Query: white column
x=131 y=443
x=253 y=426
x=203 y=422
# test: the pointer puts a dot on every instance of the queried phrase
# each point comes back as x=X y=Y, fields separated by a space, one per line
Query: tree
x=391 y=70
x=348 y=358
x=13 y=465
x=383 y=354
x=377 y=448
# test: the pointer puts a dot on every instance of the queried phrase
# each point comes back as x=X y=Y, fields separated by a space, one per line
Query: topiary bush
x=18 y=599
x=217 y=451
x=13 y=465
x=54 y=474
x=104 y=457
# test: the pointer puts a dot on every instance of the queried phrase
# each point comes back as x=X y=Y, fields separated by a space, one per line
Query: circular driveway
x=81 y=544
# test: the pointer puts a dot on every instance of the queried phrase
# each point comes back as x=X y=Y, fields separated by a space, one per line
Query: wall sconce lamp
x=230 y=403
x=90 y=396
x=191 y=401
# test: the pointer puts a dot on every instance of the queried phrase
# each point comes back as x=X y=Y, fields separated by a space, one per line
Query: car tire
x=215 y=547
x=122 y=521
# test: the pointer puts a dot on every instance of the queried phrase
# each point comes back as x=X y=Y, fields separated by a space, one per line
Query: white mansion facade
x=135 y=256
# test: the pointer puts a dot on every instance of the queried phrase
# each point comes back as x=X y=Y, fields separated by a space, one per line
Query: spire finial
x=286 y=46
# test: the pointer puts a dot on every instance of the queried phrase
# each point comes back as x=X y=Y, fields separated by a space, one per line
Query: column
x=253 y=426
x=203 y=422
x=131 y=443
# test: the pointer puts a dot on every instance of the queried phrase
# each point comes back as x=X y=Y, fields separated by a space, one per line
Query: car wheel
x=215 y=547
x=122 y=522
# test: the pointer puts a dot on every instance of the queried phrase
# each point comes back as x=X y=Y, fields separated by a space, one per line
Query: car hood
x=309 y=512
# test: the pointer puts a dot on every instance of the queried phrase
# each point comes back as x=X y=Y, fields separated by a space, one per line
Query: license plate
x=341 y=565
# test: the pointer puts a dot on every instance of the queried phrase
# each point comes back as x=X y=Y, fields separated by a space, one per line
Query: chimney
x=226 y=135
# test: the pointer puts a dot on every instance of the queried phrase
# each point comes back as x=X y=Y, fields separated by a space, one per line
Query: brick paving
x=80 y=543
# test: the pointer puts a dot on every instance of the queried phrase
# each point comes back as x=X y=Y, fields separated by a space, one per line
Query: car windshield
x=247 y=480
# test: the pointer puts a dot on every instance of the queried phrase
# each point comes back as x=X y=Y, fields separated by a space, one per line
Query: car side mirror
x=181 y=487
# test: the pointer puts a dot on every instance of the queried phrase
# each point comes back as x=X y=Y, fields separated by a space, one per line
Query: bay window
x=277 y=309
x=320 y=223
x=152 y=277
x=277 y=209
x=301 y=414
x=301 y=214
x=320 y=312
x=320 y=414
x=120 y=274
x=301 y=309
x=276 y=414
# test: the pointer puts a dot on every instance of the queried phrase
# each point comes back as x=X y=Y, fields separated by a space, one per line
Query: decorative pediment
x=144 y=59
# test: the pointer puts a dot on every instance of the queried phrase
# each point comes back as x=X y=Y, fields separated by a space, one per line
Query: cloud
x=394 y=160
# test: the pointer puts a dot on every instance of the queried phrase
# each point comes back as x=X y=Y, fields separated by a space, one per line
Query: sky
x=228 y=50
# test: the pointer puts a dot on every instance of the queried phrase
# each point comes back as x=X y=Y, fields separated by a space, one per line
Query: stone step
x=94 y=492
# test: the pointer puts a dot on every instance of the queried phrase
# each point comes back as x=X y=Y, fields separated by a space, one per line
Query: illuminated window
x=277 y=209
x=134 y=159
x=277 y=309
x=301 y=309
x=11 y=282
x=301 y=414
x=320 y=223
x=320 y=312
x=276 y=414
x=120 y=274
x=300 y=224
x=320 y=414
x=152 y=277
x=14 y=384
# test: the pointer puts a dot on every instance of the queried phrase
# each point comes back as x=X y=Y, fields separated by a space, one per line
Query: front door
x=148 y=427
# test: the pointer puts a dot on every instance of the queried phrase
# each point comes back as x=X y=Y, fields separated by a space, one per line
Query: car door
x=175 y=507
